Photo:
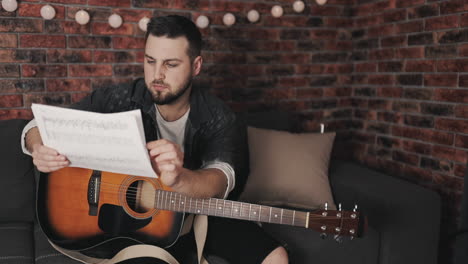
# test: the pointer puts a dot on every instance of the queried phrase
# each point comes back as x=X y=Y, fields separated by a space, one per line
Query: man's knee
x=277 y=256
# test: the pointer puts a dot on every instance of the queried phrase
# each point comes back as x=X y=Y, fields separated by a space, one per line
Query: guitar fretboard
x=172 y=201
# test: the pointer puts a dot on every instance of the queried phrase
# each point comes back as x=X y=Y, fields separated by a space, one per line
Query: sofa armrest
x=407 y=216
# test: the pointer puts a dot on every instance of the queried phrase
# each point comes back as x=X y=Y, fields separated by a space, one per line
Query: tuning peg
x=323 y=235
x=338 y=239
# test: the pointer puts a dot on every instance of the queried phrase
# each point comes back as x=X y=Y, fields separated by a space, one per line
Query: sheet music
x=107 y=142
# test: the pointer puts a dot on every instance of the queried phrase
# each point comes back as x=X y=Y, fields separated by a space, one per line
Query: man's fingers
x=162 y=149
x=42 y=163
x=166 y=156
x=47 y=150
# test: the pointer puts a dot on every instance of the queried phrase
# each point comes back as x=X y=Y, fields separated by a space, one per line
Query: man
x=194 y=141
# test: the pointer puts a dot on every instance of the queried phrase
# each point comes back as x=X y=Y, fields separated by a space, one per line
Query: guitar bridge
x=93 y=192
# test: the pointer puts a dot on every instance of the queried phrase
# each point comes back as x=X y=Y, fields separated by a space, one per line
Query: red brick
x=76 y=97
x=18 y=55
x=21 y=25
x=368 y=21
x=461 y=141
x=114 y=56
x=365 y=67
x=460 y=170
x=35 y=70
x=463 y=49
x=416 y=147
x=106 y=29
x=407 y=3
x=89 y=42
x=464 y=20
x=385 y=30
x=128 y=43
x=337 y=92
x=8 y=41
x=66 y=85
x=48 y=99
x=390 y=92
x=309 y=69
x=448 y=182
x=81 y=2
x=90 y=70
x=453 y=125
x=9 y=70
x=327 y=10
x=395 y=41
x=68 y=27
x=110 y=3
x=454 y=6
x=405 y=157
x=441 y=22
x=410 y=53
x=409 y=27
x=292 y=81
x=420 y=66
x=381 y=79
x=428 y=135
x=449 y=153
x=394 y=16
x=68 y=56
x=21 y=85
x=42 y=41
x=460 y=65
x=15 y=100
x=309 y=93
x=451 y=95
x=96 y=14
x=461 y=111
x=390 y=66
x=447 y=80
x=382 y=54
x=34 y=10
x=15 y=114
x=133 y=15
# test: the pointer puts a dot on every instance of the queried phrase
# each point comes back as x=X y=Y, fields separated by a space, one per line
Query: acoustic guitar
x=99 y=213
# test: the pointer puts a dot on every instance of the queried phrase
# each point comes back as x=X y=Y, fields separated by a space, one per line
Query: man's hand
x=167 y=160
x=47 y=159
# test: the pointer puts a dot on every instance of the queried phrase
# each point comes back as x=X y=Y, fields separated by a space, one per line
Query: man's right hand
x=47 y=159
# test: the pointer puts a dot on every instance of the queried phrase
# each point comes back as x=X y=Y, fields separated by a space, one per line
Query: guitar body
x=100 y=213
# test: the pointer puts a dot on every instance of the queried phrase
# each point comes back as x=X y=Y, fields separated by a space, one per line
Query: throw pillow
x=289 y=169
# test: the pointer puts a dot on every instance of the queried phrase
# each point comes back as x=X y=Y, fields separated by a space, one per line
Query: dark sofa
x=403 y=218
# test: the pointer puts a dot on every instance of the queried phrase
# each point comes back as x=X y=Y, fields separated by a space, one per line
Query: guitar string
x=205 y=202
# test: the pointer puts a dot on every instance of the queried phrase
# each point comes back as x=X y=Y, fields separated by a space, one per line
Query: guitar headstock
x=338 y=222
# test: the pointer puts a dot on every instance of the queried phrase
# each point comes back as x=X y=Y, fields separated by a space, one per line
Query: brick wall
x=389 y=75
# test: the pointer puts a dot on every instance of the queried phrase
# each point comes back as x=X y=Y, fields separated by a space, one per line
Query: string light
x=115 y=21
x=202 y=22
x=277 y=11
x=82 y=17
x=9 y=5
x=48 y=12
x=143 y=24
x=229 y=19
x=298 y=6
x=253 y=16
x=321 y=2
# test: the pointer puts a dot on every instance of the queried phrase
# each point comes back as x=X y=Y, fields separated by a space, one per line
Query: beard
x=168 y=97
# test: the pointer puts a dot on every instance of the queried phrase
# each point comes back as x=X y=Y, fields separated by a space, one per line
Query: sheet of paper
x=107 y=142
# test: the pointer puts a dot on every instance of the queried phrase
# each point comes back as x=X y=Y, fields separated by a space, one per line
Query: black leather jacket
x=213 y=132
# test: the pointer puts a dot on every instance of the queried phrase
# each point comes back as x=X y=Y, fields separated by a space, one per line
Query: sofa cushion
x=16 y=244
x=288 y=169
x=17 y=175
x=45 y=253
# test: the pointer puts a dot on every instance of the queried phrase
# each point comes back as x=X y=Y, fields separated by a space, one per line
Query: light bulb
x=277 y=11
x=82 y=17
x=9 y=5
x=253 y=16
x=115 y=21
x=298 y=6
x=321 y=2
x=202 y=22
x=229 y=19
x=143 y=24
x=48 y=12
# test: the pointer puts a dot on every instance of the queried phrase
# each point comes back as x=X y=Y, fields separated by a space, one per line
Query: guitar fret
x=259 y=213
x=281 y=221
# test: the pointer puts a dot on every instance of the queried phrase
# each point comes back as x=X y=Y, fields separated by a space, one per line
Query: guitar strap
x=200 y=226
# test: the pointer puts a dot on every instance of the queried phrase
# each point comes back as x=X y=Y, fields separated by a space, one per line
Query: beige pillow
x=289 y=169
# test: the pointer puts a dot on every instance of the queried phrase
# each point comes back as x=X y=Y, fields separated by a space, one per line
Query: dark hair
x=174 y=26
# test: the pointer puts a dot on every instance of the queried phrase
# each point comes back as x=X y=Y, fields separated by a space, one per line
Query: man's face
x=168 y=69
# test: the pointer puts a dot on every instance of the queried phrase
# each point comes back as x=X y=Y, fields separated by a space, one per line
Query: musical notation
x=107 y=142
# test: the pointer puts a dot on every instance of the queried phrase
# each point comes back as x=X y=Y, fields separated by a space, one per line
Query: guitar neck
x=166 y=200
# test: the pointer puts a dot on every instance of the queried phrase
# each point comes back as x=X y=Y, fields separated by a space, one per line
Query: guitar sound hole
x=140 y=196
